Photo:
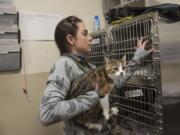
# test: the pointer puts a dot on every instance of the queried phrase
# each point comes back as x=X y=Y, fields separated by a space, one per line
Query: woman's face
x=82 y=43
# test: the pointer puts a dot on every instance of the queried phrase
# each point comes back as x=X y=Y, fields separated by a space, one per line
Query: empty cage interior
x=124 y=42
x=98 y=49
x=136 y=106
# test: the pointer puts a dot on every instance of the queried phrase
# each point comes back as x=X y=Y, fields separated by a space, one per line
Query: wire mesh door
x=137 y=103
x=98 y=48
x=136 y=108
x=124 y=42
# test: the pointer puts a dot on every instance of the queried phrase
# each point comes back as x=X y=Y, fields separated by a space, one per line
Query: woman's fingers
x=151 y=50
x=144 y=43
x=138 y=43
x=141 y=44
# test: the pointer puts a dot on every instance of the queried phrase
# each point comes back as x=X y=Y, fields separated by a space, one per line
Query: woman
x=74 y=42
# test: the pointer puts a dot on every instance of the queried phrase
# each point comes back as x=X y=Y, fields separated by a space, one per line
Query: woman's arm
x=135 y=63
x=53 y=107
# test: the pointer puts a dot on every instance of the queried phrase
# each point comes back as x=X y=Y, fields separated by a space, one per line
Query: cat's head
x=115 y=68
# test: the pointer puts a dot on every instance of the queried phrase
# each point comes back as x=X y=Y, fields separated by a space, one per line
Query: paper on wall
x=37 y=26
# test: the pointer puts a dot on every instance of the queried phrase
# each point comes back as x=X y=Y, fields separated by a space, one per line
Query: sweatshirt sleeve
x=53 y=106
x=133 y=65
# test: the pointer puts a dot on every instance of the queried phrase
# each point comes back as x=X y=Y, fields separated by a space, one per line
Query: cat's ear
x=107 y=59
x=124 y=60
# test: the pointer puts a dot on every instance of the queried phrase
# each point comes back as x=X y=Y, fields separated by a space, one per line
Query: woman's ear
x=107 y=59
x=124 y=60
x=70 y=39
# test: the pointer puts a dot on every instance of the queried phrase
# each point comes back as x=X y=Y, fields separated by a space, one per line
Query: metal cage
x=124 y=42
x=137 y=103
x=149 y=102
x=98 y=48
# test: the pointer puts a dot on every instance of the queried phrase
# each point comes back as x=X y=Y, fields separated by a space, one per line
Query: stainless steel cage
x=124 y=42
x=98 y=48
x=137 y=103
x=149 y=103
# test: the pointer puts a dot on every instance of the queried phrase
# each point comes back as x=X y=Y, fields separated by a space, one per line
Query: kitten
x=100 y=79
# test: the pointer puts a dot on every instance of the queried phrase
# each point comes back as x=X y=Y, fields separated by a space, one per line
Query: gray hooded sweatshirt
x=54 y=107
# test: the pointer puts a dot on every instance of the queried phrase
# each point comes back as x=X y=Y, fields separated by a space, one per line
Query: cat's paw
x=106 y=115
x=94 y=126
x=98 y=127
x=114 y=111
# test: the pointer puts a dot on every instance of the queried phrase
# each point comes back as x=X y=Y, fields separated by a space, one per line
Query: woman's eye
x=85 y=32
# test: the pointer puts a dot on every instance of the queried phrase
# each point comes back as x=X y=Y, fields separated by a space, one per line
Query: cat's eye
x=115 y=68
x=123 y=68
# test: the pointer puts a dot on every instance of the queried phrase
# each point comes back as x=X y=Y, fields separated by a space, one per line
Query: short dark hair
x=66 y=26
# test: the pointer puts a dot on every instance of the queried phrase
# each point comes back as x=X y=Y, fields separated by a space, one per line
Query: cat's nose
x=121 y=73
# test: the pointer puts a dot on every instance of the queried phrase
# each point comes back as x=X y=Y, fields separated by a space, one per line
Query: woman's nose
x=90 y=38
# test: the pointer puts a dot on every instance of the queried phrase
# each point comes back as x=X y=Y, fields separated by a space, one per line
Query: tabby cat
x=102 y=80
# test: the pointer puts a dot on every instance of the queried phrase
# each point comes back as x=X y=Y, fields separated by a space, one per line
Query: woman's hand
x=141 y=44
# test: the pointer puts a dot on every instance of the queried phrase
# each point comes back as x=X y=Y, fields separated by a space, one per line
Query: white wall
x=38 y=55
x=18 y=116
